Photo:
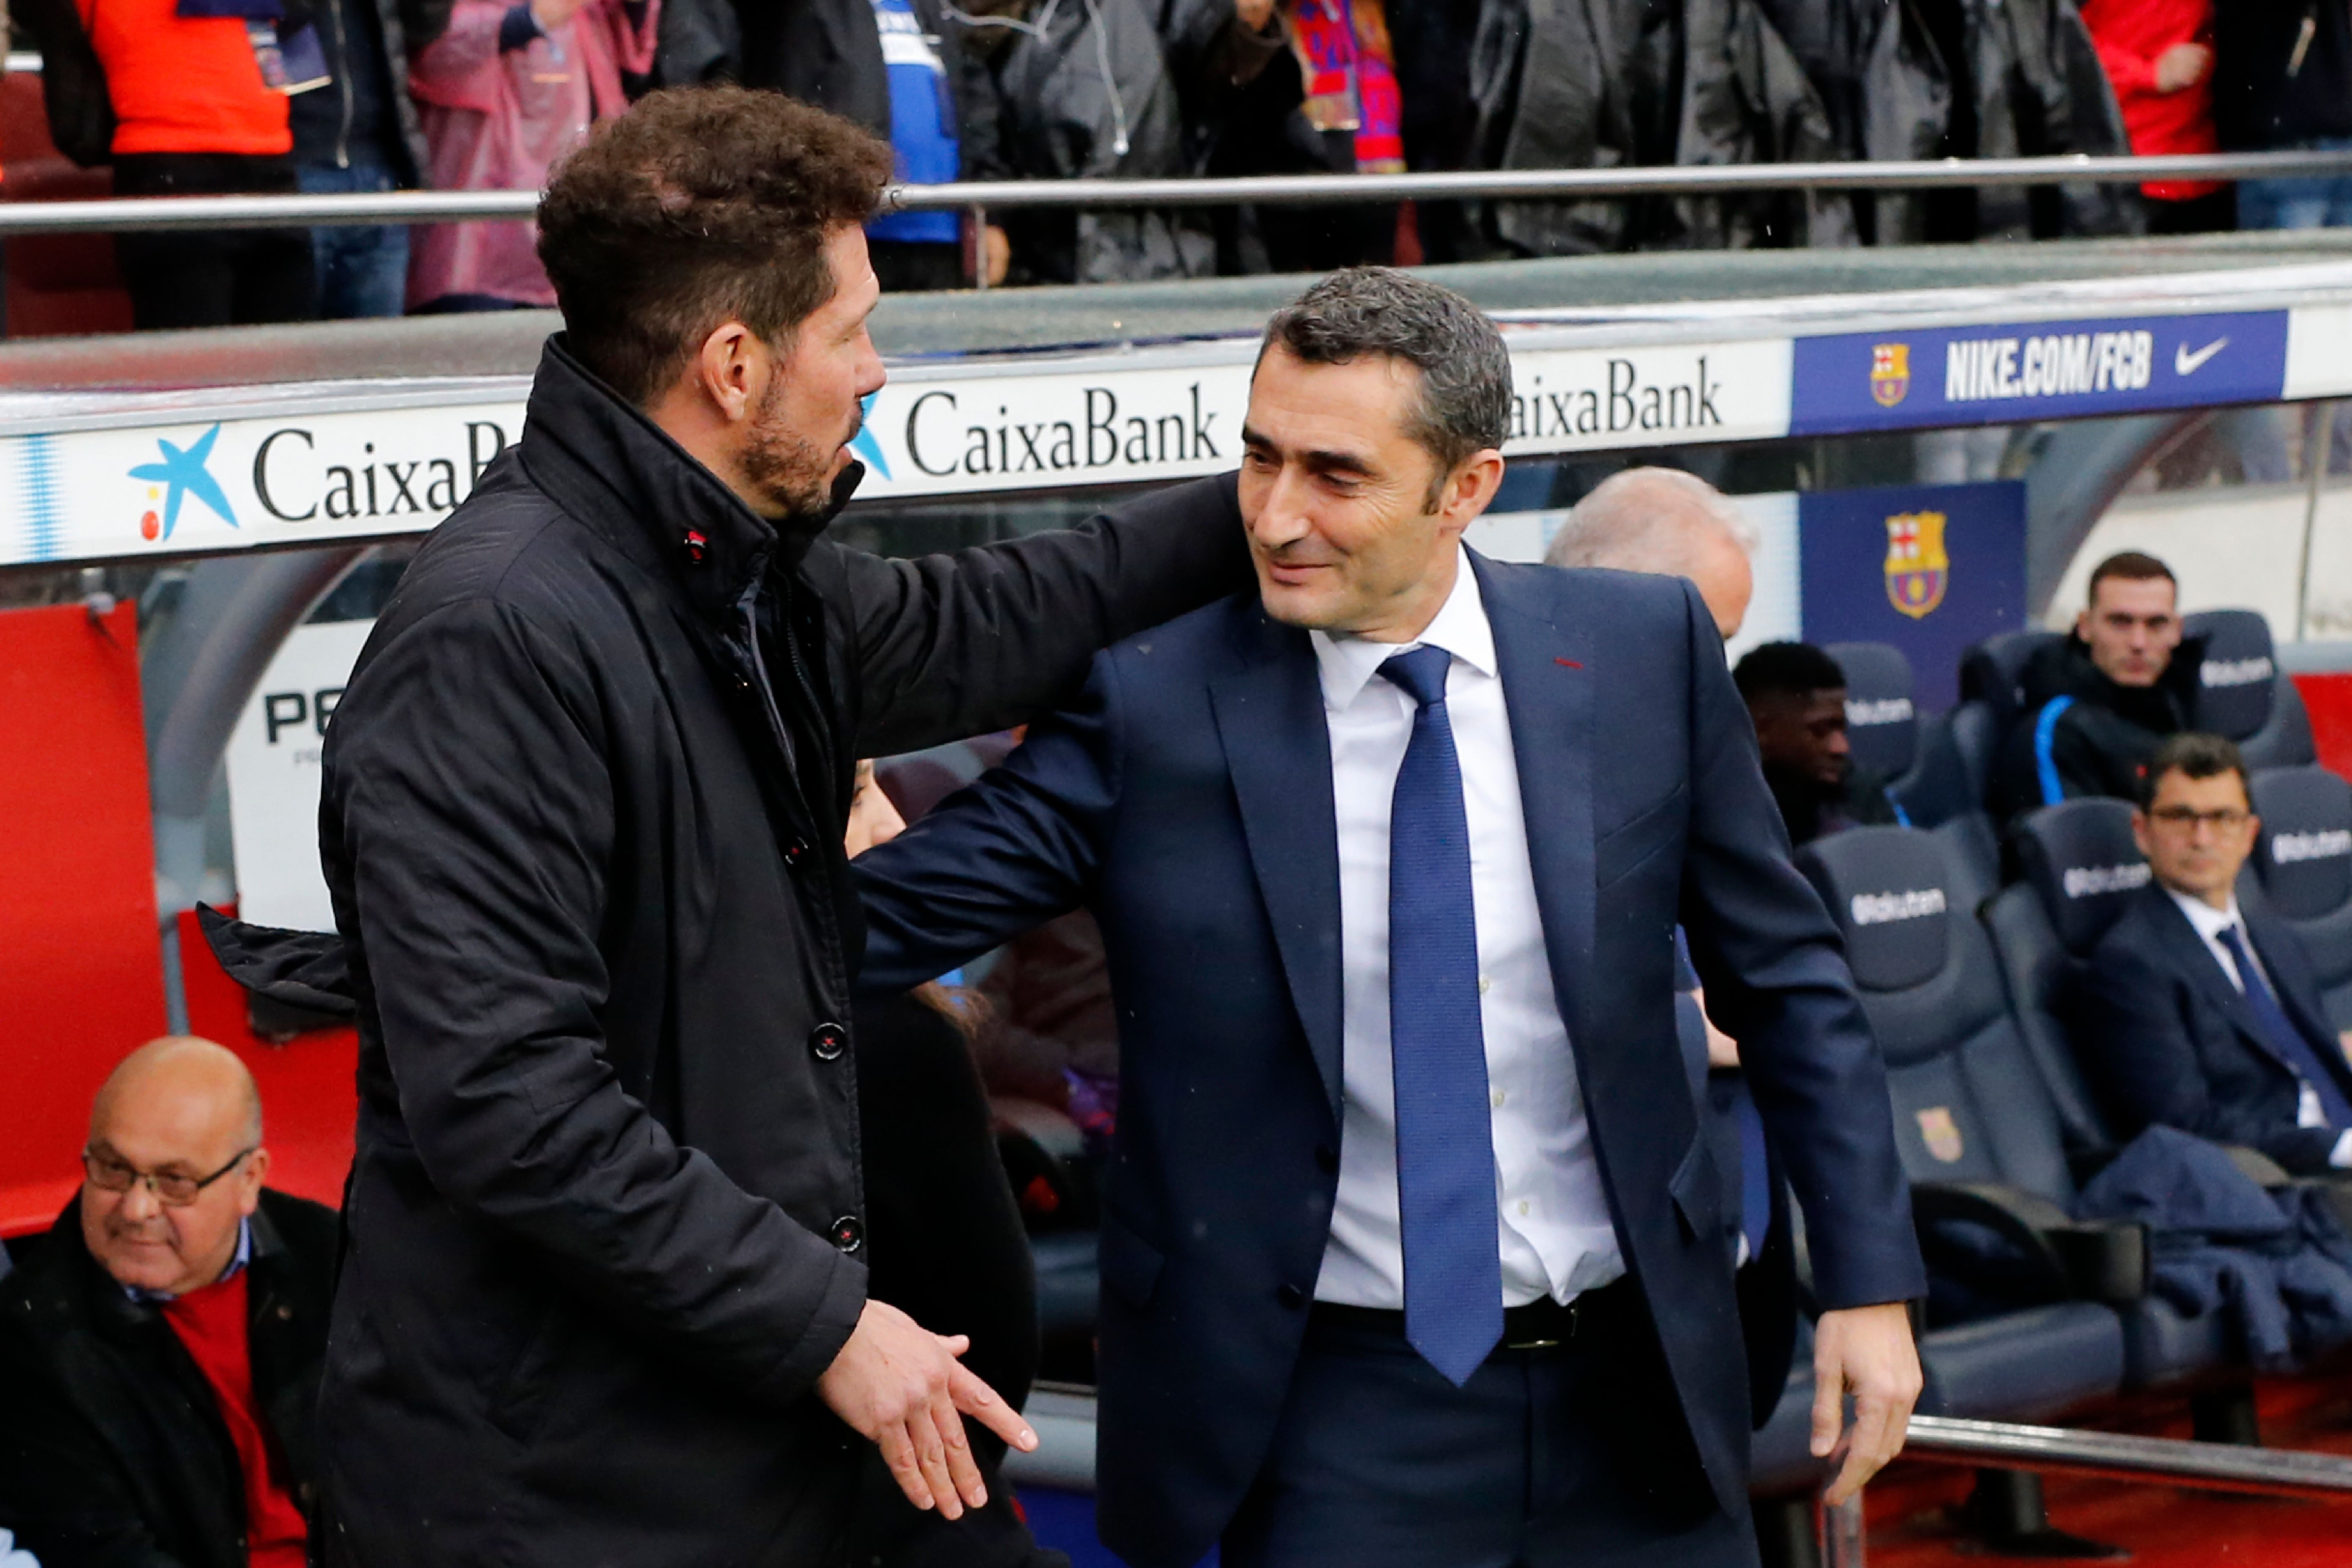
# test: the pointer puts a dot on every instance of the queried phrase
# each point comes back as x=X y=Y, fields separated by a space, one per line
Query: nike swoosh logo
x=2186 y=363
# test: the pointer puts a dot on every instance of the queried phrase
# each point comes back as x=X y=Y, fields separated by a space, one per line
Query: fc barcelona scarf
x=1349 y=69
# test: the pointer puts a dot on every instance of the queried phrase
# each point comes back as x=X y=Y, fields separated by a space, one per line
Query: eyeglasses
x=2226 y=819
x=109 y=1174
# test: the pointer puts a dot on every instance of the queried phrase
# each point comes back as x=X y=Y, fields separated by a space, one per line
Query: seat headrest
x=2081 y=862
x=2304 y=858
x=1880 y=722
x=1890 y=890
x=2240 y=676
x=1991 y=670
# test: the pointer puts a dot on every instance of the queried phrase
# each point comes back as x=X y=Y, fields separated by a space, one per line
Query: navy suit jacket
x=1187 y=799
x=2169 y=1041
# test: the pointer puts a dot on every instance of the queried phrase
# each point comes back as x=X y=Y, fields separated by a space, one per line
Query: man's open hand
x=899 y=1386
x=1868 y=1353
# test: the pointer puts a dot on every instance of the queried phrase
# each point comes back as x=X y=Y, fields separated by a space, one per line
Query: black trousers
x=944 y=1244
x=213 y=278
x=1567 y=1456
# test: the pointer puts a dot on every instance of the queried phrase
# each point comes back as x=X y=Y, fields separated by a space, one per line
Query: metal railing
x=2215 y=1467
x=123 y=214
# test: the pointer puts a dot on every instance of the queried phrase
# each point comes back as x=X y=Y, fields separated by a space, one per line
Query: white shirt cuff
x=2341 y=1155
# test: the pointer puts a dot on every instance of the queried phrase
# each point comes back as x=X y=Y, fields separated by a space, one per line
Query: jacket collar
x=613 y=469
x=62 y=1268
x=2067 y=670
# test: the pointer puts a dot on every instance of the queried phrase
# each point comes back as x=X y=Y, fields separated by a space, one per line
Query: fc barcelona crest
x=1916 y=567
x=1890 y=372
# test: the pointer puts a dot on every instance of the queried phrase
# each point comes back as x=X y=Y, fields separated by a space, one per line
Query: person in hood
x=605 y=1294
x=1796 y=696
x=2095 y=706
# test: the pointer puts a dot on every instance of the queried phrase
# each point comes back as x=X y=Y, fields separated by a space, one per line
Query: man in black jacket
x=2196 y=1013
x=582 y=820
x=160 y=1347
x=2095 y=706
x=2282 y=80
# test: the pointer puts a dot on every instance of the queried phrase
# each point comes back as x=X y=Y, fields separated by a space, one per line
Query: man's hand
x=1867 y=1351
x=901 y=1387
x=2183 y=66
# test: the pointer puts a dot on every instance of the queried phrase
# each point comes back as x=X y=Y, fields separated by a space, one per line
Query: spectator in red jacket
x=2159 y=56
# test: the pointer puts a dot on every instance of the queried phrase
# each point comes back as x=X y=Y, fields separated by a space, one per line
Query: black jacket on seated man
x=112 y=1450
x=2168 y=1040
x=2079 y=731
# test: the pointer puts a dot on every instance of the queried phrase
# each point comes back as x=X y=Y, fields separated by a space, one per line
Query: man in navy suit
x=1411 y=1250
x=2196 y=1013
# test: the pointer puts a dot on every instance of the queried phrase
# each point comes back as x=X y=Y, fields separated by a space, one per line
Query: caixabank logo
x=178 y=474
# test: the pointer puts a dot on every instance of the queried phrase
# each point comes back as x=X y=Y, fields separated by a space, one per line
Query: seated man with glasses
x=161 y=1346
x=2197 y=1014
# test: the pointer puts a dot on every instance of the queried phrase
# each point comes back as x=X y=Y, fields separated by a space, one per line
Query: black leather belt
x=1541 y=1324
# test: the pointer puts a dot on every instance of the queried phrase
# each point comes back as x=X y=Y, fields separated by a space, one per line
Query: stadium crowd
x=379 y=95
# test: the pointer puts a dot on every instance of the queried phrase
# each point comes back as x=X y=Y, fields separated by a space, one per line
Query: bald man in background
x=1668 y=522
x=160 y=1347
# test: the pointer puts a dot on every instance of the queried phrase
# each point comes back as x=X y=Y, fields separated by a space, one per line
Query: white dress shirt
x=1555 y=1233
x=2210 y=923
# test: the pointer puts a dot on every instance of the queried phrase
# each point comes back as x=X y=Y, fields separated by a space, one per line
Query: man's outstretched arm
x=950 y=646
x=1775 y=977
x=1015 y=848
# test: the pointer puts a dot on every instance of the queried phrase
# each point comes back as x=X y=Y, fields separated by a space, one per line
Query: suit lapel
x=2191 y=956
x=1548 y=693
x=2290 y=984
x=1269 y=716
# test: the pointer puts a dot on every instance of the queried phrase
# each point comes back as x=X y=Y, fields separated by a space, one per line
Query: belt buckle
x=1574 y=1310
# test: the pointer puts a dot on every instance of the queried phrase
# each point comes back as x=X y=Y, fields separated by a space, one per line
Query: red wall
x=81 y=977
x=2329 y=699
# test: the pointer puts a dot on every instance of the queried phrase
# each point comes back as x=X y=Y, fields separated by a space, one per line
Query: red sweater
x=211 y=1324
x=2130 y=34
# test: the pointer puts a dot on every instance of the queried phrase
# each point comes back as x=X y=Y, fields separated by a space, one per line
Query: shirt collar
x=1460 y=627
x=236 y=1267
x=2210 y=922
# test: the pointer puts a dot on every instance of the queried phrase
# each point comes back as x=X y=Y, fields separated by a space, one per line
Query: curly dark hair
x=698 y=206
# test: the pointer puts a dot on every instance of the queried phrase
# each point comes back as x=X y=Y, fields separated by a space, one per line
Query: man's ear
x=2082 y=624
x=256 y=1172
x=2140 y=832
x=730 y=369
x=1471 y=488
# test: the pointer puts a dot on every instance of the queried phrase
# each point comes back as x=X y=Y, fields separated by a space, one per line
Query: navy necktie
x=1445 y=1136
x=2285 y=1039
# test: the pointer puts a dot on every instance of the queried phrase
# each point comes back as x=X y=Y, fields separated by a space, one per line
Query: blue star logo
x=183 y=475
x=866 y=444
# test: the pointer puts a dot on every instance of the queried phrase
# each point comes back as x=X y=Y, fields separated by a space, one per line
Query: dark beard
x=787 y=471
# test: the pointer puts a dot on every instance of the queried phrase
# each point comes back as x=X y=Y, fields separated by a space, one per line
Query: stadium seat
x=2080 y=863
x=2243 y=693
x=1978 y=1136
x=1990 y=673
x=1928 y=782
x=2304 y=861
x=1881 y=723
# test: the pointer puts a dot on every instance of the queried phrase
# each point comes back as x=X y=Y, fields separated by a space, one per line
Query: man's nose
x=1282 y=515
x=140 y=1204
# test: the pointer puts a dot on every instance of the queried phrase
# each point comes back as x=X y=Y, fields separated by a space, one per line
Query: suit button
x=1290 y=1295
x=1326 y=1158
x=849 y=1233
x=827 y=1041
x=285 y=1313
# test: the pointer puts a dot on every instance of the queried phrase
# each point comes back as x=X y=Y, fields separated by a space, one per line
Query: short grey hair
x=1464 y=404
x=1649 y=519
